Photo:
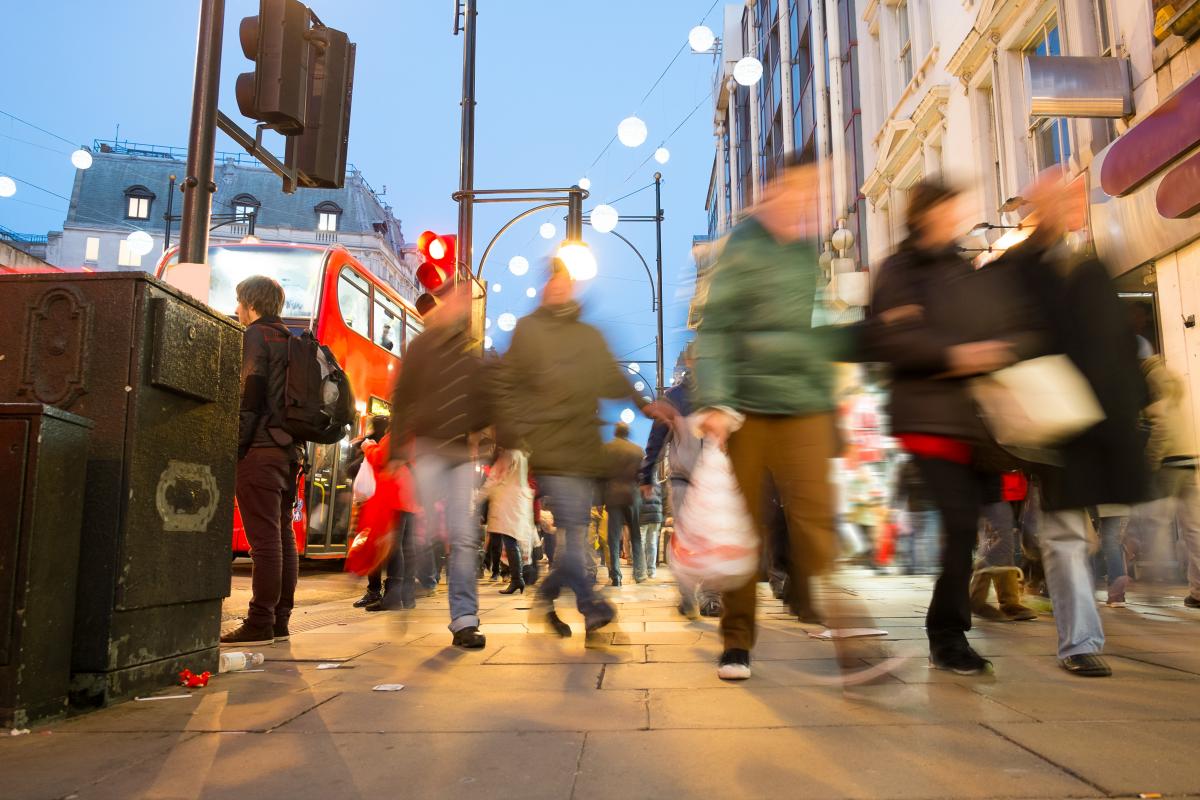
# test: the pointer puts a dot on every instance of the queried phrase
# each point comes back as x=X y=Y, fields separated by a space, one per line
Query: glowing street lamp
x=579 y=260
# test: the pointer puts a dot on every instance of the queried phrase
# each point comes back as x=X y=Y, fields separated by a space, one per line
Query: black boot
x=517 y=584
x=372 y=596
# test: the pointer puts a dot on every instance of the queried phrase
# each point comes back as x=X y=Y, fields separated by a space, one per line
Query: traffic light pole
x=466 y=181
x=198 y=186
x=658 y=220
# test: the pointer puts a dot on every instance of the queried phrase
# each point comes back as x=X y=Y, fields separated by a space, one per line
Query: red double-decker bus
x=367 y=327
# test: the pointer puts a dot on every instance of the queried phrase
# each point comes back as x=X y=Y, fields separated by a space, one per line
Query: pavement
x=637 y=712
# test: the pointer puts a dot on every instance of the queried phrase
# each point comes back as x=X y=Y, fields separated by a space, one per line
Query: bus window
x=414 y=328
x=354 y=301
x=298 y=270
x=389 y=323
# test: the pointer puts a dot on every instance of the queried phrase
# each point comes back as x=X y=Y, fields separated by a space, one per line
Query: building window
x=91 y=249
x=904 y=40
x=137 y=202
x=126 y=257
x=1103 y=31
x=1052 y=136
x=245 y=206
x=328 y=215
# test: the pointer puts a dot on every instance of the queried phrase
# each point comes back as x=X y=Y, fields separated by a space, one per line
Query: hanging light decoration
x=531 y=292
x=662 y=155
x=547 y=230
x=627 y=416
x=81 y=158
x=506 y=321
x=632 y=132
x=496 y=288
x=140 y=243
x=584 y=184
x=604 y=218
x=518 y=265
x=748 y=71
x=701 y=38
x=8 y=187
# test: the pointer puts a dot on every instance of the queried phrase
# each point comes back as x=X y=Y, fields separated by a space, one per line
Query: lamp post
x=656 y=284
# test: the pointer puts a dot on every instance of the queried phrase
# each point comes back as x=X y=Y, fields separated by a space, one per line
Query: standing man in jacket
x=623 y=459
x=440 y=404
x=765 y=378
x=267 y=463
x=549 y=387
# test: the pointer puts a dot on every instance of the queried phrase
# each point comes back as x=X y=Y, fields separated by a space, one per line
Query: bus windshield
x=298 y=270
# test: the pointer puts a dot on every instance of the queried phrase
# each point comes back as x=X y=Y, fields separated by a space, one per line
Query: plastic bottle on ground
x=233 y=662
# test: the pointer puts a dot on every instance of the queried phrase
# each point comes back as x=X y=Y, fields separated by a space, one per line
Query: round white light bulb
x=701 y=38
x=577 y=257
x=662 y=155
x=487 y=322
x=637 y=387
x=81 y=158
x=140 y=243
x=748 y=71
x=8 y=187
x=634 y=368
x=531 y=292
x=496 y=288
x=506 y=321
x=584 y=184
x=604 y=218
x=547 y=230
x=487 y=343
x=632 y=132
x=518 y=265
x=627 y=416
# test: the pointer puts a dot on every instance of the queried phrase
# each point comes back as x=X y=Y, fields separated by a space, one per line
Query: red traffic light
x=439 y=255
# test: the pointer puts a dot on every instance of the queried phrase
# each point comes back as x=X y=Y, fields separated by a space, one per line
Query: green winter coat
x=549 y=386
x=756 y=348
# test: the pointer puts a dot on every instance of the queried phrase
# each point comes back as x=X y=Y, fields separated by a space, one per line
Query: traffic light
x=439 y=255
x=277 y=91
x=319 y=151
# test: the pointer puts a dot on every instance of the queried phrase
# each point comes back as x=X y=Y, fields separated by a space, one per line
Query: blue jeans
x=997 y=545
x=925 y=541
x=619 y=516
x=1064 y=544
x=649 y=548
x=1112 y=552
x=570 y=499
x=452 y=482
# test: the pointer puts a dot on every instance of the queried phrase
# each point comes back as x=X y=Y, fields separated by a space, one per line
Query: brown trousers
x=266 y=490
x=795 y=452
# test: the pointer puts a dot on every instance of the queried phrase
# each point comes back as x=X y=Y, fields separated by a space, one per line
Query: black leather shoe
x=469 y=638
x=367 y=599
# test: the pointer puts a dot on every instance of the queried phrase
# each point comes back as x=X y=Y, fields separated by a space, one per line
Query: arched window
x=244 y=206
x=137 y=202
x=328 y=216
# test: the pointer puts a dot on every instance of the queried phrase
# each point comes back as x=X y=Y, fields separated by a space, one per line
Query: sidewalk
x=639 y=713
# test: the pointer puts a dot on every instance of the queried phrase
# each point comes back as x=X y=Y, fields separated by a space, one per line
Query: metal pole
x=658 y=220
x=466 y=164
x=198 y=186
x=575 y=215
x=167 y=216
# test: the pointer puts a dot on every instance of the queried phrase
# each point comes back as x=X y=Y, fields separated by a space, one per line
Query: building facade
x=128 y=188
x=988 y=93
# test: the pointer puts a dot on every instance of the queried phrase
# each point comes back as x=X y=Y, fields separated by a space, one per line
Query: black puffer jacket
x=264 y=378
x=958 y=305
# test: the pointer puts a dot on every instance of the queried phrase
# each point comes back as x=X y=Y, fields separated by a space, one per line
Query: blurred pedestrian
x=960 y=332
x=549 y=386
x=650 y=517
x=510 y=513
x=623 y=458
x=1074 y=296
x=764 y=383
x=439 y=405
x=268 y=460
x=377 y=429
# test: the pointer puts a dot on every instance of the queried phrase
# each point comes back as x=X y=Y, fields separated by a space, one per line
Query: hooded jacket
x=548 y=390
x=264 y=378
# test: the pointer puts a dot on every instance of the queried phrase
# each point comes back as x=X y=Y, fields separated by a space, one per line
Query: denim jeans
x=452 y=481
x=570 y=499
x=649 y=547
x=1181 y=500
x=401 y=564
x=618 y=516
x=1112 y=551
x=997 y=546
x=924 y=541
x=1064 y=544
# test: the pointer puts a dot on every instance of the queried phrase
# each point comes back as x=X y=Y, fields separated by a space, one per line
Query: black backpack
x=318 y=400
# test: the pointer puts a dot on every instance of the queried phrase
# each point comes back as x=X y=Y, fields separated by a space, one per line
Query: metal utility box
x=42 y=472
x=158 y=373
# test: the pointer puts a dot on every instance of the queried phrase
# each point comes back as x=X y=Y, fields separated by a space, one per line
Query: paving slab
x=1029 y=668
x=1137 y=757
x=900 y=762
x=418 y=709
x=703 y=676
x=537 y=766
x=1098 y=699
x=1185 y=662
x=547 y=650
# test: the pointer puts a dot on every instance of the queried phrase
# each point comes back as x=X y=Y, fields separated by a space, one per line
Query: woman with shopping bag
x=383 y=536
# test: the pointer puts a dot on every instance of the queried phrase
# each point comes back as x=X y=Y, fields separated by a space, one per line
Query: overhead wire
x=38 y=128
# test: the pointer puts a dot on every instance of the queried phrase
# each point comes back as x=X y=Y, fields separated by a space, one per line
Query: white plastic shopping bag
x=714 y=542
x=364 y=483
x=1037 y=403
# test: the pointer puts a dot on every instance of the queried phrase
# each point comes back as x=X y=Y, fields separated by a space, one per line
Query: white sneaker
x=734 y=666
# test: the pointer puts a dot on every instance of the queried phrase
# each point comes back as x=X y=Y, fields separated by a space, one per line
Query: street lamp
x=578 y=258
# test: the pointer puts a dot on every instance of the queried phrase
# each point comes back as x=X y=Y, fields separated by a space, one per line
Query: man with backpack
x=268 y=459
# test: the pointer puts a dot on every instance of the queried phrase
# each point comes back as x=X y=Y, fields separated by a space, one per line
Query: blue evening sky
x=554 y=79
